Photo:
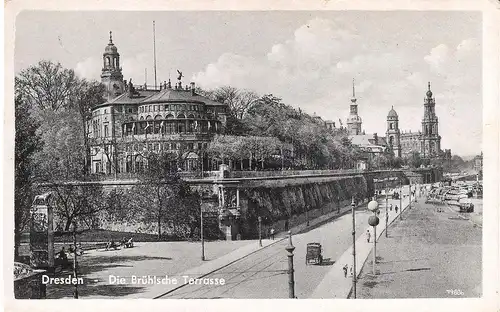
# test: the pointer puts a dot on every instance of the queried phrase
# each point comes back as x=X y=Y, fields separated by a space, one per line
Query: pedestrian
x=345 y=270
x=390 y=207
x=286 y=225
x=368 y=235
x=351 y=270
x=396 y=208
x=272 y=233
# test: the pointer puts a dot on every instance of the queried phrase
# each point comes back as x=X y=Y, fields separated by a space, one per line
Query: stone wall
x=278 y=204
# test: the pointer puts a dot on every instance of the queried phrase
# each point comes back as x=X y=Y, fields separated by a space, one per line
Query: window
x=130 y=110
x=105 y=111
x=166 y=107
x=190 y=146
x=155 y=108
x=199 y=146
x=106 y=134
x=391 y=126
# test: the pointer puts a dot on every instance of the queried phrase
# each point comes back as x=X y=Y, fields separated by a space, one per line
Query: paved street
x=427 y=255
x=263 y=274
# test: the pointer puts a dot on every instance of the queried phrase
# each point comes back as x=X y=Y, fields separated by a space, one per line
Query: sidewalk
x=335 y=285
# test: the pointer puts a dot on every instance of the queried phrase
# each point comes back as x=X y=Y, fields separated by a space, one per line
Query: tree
x=163 y=197
x=86 y=95
x=414 y=160
x=78 y=205
x=46 y=85
x=27 y=143
x=61 y=102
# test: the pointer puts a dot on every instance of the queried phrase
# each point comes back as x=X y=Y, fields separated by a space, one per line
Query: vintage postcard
x=332 y=151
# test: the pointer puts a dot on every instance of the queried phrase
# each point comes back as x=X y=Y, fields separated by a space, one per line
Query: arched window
x=391 y=140
x=142 y=118
x=191 y=116
x=391 y=126
x=157 y=117
x=181 y=116
x=169 y=116
x=108 y=61
x=149 y=117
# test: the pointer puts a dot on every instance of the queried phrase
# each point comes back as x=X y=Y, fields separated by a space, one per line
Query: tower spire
x=110 y=37
x=429 y=85
x=353 y=92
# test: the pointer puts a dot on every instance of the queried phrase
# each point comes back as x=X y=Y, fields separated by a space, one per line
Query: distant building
x=138 y=120
x=354 y=122
x=478 y=163
x=426 y=142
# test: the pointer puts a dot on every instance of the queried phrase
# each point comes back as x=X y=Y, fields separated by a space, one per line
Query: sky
x=309 y=59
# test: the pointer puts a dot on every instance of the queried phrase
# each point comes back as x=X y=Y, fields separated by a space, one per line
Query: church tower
x=354 y=121
x=393 y=134
x=430 y=140
x=111 y=75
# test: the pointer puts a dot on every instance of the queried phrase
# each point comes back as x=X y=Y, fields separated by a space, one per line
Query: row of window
x=119 y=109
x=164 y=146
x=157 y=108
x=166 y=107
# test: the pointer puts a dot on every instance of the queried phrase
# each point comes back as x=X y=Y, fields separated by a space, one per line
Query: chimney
x=192 y=88
x=375 y=138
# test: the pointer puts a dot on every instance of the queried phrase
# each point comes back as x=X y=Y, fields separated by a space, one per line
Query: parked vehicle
x=314 y=253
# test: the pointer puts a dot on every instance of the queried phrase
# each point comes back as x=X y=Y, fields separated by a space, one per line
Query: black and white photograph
x=253 y=154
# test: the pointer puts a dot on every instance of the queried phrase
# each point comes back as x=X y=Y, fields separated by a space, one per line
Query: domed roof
x=110 y=48
x=392 y=113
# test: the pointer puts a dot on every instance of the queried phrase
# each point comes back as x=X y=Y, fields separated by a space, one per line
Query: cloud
x=90 y=68
x=314 y=69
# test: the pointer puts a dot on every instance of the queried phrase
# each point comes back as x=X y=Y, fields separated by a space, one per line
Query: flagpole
x=154 y=50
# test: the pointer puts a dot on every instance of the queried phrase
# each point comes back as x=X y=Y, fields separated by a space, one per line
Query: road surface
x=263 y=275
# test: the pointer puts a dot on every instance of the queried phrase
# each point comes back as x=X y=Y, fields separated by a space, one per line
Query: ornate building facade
x=354 y=122
x=393 y=134
x=136 y=121
x=426 y=142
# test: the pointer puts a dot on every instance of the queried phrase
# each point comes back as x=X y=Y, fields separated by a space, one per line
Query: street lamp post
x=374 y=221
x=75 y=263
x=307 y=214
x=409 y=195
x=386 y=211
x=400 y=201
x=291 y=282
x=353 y=248
x=260 y=231
x=201 y=232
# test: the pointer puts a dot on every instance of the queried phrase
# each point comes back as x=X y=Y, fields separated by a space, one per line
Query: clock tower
x=111 y=76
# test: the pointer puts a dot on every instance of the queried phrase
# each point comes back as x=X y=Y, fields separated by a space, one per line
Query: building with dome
x=426 y=142
x=138 y=120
